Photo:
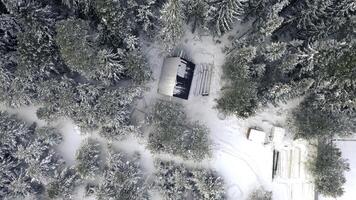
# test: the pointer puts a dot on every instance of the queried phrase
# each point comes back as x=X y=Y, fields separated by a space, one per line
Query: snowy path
x=243 y=164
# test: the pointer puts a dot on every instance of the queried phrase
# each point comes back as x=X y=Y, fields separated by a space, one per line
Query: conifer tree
x=224 y=13
x=172 y=21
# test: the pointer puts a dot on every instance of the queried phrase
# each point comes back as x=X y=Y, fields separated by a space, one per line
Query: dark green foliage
x=136 y=66
x=92 y=107
x=79 y=6
x=196 y=13
x=329 y=108
x=118 y=17
x=123 y=179
x=173 y=133
x=172 y=24
x=223 y=14
x=78 y=46
x=37 y=57
x=89 y=159
x=238 y=98
x=239 y=95
x=9 y=28
x=63 y=184
x=260 y=194
x=94 y=85
x=336 y=61
x=328 y=168
x=312 y=123
x=176 y=181
x=28 y=161
x=317 y=19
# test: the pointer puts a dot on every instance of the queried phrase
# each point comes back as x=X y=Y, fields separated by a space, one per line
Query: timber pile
x=203 y=81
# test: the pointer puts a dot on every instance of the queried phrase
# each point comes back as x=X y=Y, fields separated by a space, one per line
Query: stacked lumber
x=203 y=80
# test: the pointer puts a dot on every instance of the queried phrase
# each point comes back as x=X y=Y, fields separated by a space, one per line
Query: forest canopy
x=85 y=60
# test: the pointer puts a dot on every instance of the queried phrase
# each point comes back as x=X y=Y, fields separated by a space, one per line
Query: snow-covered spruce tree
x=37 y=55
x=176 y=181
x=310 y=121
x=119 y=18
x=92 y=107
x=328 y=169
x=260 y=194
x=13 y=6
x=269 y=19
x=239 y=95
x=173 y=133
x=88 y=159
x=223 y=14
x=255 y=8
x=319 y=19
x=197 y=14
x=147 y=15
x=27 y=159
x=275 y=51
x=136 y=66
x=331 y=100
x=123 y=179
x=8 y=54
x=64 y=183
x=172 y=22
x=79 y=49
x=79 y=6
x=284 y=92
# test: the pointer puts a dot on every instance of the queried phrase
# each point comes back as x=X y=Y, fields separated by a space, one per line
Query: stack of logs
x=203 y=80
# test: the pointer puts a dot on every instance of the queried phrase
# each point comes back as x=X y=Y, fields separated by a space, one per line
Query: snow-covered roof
x=257 y=136
x=278 y=135
x=168 y=77
x=292 y=171
x=176 y=77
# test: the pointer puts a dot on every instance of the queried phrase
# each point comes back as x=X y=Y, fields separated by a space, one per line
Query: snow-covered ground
x=26 y=113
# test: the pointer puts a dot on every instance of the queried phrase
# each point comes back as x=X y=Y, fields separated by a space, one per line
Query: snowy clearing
x=243 y=164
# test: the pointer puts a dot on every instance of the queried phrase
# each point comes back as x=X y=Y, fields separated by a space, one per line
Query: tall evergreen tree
x=172 y=21
x=224 y=13
x=328 y=168
x=28 y=161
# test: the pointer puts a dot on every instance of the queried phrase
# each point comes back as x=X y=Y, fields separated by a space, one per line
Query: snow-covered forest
x=81 y=118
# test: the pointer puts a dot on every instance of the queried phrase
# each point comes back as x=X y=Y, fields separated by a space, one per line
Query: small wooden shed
x=256 y=136
x=176 y=77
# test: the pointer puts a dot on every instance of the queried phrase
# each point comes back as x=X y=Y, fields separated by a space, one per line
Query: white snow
x=26 y=113
x=72 y=139
x=70 y=132
x=278 y=134
x=257 y=136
